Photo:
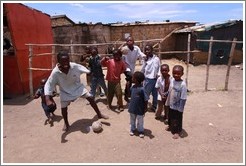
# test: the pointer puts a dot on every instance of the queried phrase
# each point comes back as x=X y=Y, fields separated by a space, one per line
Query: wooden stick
x=208 y=62
x=220 y=41
x=188 y=59
x=30 y=71
x=229 y=63
x=40 y=69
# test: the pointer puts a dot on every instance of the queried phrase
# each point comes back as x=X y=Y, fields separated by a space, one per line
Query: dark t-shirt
x=138 y=99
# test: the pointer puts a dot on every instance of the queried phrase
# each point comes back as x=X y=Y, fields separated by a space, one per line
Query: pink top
x=114 y=69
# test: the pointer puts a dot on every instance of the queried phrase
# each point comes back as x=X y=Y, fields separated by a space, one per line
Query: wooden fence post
x=53 y=56
x=229 y=62
x=30 y=70
x=208 y=61
x=188 y=59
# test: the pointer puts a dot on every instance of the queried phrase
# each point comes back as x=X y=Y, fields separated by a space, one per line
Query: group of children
x=169 y=92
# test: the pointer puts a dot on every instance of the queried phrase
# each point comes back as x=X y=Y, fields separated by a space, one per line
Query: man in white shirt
x=131 y=53
x=66 y=75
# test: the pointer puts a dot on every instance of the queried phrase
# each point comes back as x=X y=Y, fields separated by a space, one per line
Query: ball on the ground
x=96 y=126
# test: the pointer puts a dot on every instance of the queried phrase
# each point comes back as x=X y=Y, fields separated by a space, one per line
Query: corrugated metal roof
x=148 y=23
x=207 y=27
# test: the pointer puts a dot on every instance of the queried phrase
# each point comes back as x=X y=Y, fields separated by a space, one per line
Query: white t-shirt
x=131 y=57
x=177 y=91
x=160 y=83
x=151 y=67
x=69 y=84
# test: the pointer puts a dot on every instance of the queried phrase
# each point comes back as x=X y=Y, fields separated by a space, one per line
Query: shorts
x=85 y=94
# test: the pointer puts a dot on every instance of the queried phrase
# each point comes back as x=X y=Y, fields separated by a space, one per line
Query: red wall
x=26 y=25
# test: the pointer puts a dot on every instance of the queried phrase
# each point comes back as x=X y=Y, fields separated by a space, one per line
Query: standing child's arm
x=37 y=94
x=104 y=61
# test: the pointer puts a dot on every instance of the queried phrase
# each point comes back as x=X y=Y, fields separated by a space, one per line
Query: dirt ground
x=213 y=128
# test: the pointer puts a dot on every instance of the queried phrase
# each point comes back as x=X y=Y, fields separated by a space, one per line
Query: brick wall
x=100 y=33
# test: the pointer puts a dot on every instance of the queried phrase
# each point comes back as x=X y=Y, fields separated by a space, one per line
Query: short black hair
x=178 y=67
x=139 y=76
x=61 y=54
x=117 y=52
x=165 y=65
x=150 y=46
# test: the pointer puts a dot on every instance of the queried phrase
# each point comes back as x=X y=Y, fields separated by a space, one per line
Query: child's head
x=94 y=51
x=42 y=82
x=138 y=77
x=130 y=41
x=63 y=60
x=88 y=49
x=117 y=54
x=148 y=50
x=178 y=71
x=164 y=70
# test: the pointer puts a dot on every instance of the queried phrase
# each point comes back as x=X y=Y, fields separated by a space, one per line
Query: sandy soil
x=213 y=128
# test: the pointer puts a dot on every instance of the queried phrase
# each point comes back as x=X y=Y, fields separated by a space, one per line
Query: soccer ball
x=96 y=126
x=124 y=50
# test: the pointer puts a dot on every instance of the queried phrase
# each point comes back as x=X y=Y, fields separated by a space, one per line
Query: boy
x=138 y=104
x=97 y=76
x=49 y=111
x=176 y=101
x=66 y=75
x=162 y=85
x=115 y=67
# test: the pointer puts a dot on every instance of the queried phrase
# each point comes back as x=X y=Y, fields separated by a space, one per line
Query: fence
x=142 y=43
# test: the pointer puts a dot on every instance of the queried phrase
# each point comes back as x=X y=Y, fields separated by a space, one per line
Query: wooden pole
x=188 y=59
x=229 y=63
x=159 y=49
x=30 y=71
x=208 y=61
x=53 y=56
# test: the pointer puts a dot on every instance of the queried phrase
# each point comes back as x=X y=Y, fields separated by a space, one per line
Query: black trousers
x=175 y=121
x=128 y=78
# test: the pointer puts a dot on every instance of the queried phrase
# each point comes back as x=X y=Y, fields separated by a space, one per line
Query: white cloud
x=149 y=10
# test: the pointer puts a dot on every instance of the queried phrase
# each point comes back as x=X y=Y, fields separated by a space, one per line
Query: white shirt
x=151 y=67
x=69 y=84
x=131 y=57
x=160 y=83
x=177 y=91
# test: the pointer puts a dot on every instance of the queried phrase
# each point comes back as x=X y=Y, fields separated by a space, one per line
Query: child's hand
x=106 y=58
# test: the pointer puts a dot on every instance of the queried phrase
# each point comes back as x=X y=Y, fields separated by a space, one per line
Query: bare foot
x=110 y=107
x=65 y=128
x=51 y=122
x=46 y=121
x=176 y=136
x=103 y=116
x=167 y=128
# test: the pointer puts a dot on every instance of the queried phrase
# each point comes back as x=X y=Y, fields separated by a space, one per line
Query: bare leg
x=64 y=114
x=96 y=109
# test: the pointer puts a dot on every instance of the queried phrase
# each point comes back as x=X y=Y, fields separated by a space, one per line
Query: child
x=162 y=85
x=131 y=53
x=115 y=67
x=97 y=76
x=138 y=104
x=151 y=69
x=66 y=75
x=84 y=59
x=176 y=101
x=49 y=111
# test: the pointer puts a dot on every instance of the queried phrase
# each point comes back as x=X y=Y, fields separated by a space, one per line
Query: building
x=23 y=25
x=61 y=20
x=220 y=51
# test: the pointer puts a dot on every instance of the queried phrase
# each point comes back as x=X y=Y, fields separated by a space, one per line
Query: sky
x=202 y=12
